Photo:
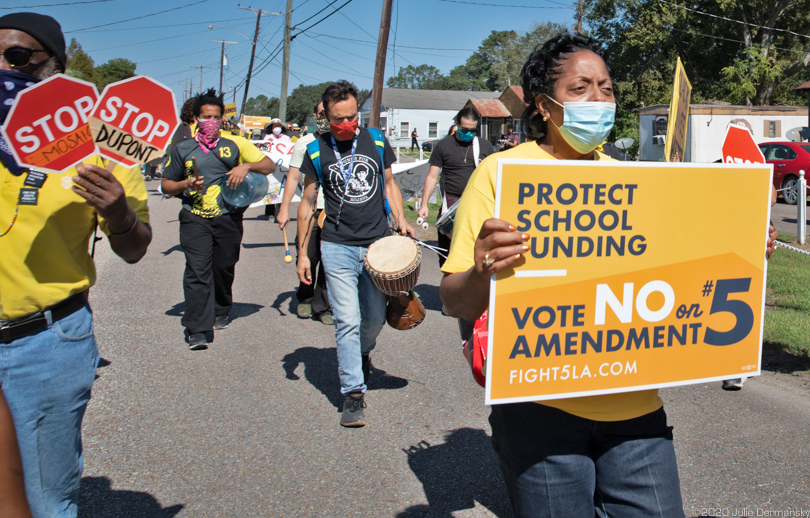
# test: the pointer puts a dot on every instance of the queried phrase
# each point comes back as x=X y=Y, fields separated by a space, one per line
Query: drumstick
x=287 y=256
x=196 y=171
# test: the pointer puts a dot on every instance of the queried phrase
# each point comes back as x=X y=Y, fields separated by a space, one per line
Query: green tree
x=114 y=70
x=79 y=64
x=301 y=101
x=424 y=77
x=262 y=106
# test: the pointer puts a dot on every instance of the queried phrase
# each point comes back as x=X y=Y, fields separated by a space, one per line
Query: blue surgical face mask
x=465 y=136
x=586 y=125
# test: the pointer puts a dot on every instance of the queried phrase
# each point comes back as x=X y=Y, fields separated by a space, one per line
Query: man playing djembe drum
x=355 y=218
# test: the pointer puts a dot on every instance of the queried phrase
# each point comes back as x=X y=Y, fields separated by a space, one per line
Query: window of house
x=433 y=129
x=772 y=129
x=404 y=130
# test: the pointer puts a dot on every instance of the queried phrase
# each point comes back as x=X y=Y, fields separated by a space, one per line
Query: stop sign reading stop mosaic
x=134 y=120
x=47 y=126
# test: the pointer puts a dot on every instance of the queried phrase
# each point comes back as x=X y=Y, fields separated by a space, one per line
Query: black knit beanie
x=41 y=27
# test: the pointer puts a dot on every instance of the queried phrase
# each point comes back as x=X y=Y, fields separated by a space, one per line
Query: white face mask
x=277 y=131
x=586 y=125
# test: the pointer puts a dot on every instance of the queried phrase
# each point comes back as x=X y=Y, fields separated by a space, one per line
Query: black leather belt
x=14 y=329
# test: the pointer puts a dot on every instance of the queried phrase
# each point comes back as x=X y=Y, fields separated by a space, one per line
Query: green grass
x=787 y=316
x=411 y=214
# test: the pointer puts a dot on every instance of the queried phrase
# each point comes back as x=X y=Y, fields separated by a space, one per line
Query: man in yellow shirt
x=47 y=347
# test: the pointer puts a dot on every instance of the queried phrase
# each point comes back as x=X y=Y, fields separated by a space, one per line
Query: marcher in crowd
x=455 y=157
x=210 y=229
x=313 y=298
x=356 y=184
x=414 y=142
x=46 y=325
x=609 y=455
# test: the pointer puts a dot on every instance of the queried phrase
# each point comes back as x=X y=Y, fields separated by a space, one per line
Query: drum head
x=391 y=254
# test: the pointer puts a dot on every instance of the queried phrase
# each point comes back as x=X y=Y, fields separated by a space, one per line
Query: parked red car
x=788 y=158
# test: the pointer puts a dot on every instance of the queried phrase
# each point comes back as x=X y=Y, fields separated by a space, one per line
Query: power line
x=515 y=6
x=731 y=20
x=740 y=41
x=321 y=20
x=57 y=5
x=138 y=17
x=316 y=14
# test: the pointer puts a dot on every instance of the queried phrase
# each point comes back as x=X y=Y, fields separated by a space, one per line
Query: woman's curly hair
x=187 y=111
x=540 y=73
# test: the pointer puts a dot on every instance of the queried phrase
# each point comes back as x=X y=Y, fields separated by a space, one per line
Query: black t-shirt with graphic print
x=457 y=162
x=362 y=218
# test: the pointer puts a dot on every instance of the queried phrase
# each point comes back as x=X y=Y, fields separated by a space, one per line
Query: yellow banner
x=636 y=277
x=230 y=110
x=678 y=122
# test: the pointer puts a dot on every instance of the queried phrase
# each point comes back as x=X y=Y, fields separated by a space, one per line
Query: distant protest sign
x=678 y=122
x=621 y=289
x=230 y=110
x=134 y=120
x=47 y=126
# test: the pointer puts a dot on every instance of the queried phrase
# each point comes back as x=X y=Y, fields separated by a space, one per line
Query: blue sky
x=166 y=46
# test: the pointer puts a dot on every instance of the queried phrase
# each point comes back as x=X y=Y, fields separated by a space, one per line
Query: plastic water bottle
x=252 y=189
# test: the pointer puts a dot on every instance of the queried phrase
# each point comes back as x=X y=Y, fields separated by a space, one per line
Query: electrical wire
x=137 y=17
x=314 y=15
x=57 y=5
x=515 y=6
x=732 y=20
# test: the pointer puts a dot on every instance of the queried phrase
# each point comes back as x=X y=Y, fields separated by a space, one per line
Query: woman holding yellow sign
x=607 y=455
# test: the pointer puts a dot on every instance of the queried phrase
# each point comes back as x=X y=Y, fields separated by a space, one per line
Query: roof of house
x=415 y=99
x=805 y=86
x=709 y=109
x=518 y=90
x=490 y=108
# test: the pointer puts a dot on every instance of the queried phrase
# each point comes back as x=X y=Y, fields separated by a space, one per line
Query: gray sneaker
x=221 y=322
x=197 y=341
x=304 y=310
x=733 y=384
x=353 y=406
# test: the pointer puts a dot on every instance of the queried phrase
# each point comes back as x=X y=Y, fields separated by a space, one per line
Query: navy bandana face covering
x=11 y=84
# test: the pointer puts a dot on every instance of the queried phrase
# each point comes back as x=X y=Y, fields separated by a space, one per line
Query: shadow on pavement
x=238 y=310
x=97 y=499
x=321 y=371
x=175 y=248
x=280 y=298
x=456 y=474
x=248 y=246
x=429 y=295
x=776 y=359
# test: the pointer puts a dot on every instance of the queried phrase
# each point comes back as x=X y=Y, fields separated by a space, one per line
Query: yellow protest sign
x=230 y=110
x=623 y=287
x=677 y=124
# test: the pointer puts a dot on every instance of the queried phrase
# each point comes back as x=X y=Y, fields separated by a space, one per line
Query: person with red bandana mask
x=210 y=229
x=356 y=183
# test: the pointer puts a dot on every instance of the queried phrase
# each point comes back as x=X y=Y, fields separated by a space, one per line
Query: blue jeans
x=558 y=464
x=358 y=309
x=46 y=378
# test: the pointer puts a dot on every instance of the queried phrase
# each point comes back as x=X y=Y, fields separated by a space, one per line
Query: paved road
x=249 y=427
x=784 y=217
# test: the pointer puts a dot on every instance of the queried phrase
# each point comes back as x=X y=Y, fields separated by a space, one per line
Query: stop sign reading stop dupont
x=134 y=120
x=739 y=147
x=47 y=126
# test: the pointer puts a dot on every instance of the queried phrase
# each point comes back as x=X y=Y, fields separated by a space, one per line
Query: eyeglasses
x=19 y=57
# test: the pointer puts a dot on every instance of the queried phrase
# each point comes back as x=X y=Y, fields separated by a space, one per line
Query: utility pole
x=253 y=52
x=285 y=67
x=201 y=71
x=579 y=16
x=222 y=59
x=379 y=66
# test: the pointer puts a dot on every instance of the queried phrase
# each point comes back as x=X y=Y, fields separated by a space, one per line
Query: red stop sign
x=47 y=126
x=739 y=147
x=134 y=120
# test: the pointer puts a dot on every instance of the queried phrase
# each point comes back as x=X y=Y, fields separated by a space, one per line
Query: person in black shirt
x=455 y=156
x=414 y=143
x=356 y=185
x=210 y=229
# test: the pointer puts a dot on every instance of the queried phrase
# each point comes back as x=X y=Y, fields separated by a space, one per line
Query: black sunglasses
x=19 y=57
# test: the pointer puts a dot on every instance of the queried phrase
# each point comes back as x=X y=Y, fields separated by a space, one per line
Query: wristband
x=128 y=231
